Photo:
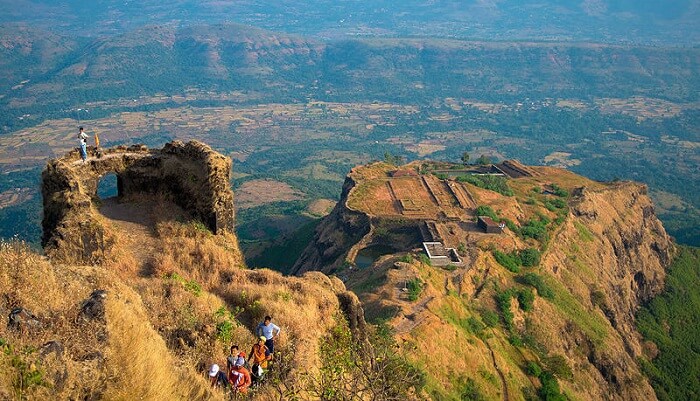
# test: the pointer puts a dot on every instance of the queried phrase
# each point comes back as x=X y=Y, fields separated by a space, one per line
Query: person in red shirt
x=239 y=377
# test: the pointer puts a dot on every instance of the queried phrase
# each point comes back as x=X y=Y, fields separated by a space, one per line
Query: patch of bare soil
x=259 y=192
x=321 y=207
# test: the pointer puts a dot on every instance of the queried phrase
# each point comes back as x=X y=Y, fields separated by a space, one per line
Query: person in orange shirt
x=239 y=377
x=260 y=354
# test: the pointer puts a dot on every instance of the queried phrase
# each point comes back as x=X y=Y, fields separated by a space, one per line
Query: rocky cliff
x=337 y=234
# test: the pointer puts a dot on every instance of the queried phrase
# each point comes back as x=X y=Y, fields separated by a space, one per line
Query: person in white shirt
x=270 y=331
x=83 y=143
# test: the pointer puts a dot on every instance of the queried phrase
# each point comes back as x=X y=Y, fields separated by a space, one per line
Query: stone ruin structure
x=193 y=175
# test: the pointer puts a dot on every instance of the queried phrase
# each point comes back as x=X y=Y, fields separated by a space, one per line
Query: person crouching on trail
x=260 y=354
x=239 y=377
x=83 y=143
x=217 y=377
x=269 y=330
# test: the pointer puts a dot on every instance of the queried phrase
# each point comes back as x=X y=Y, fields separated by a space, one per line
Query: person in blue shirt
x=270 y=331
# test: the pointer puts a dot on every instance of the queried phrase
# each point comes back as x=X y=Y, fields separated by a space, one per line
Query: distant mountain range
x=61 y=72
x=625 y=21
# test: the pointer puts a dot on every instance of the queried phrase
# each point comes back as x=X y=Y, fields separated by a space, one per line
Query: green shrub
x=424 y=259
x=530 y=257
x=558 y=366
x=535 y=229
x=462 y=249
x=526 y=299
x=559 y=219
x=503 y=302
x=491 y=182
x=583 y=232
x=511 y=226
x=225 y=323
x=488 y=376
x=599 y=299
x=201 y=227
x=193 y=287
x=450 y=267
x=224 y=331
x=533 y=369
x=485 y=210
x=490 y=318
x=515 y=340
x=472 y=391
x=558 y=191
x=415 y=287
x=510 y=261
x=538 y=283
x=475 y=326
x=386 y=375
x=407 y=258
x=25 y=374
x=189 y=285
x=550 y=390
x=671 y=321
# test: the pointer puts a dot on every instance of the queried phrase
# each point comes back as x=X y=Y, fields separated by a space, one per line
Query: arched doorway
x=108 y=186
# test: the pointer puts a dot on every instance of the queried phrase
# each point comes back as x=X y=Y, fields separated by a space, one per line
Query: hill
x=548 y=298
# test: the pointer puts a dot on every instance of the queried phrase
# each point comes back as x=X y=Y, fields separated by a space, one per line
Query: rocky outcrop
x=334 y=237
x=632 y=250
x=192 y=174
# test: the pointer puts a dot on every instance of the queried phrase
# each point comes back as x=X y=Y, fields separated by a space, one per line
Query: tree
x=363 y=369
x=393 y=160
x=465 y=158
x=483 y=160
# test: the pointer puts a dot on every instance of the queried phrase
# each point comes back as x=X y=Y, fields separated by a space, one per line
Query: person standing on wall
x=270 y=331
x=83 y=143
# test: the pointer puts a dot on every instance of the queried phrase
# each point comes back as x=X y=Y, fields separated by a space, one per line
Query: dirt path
x=500 y=373
x=134 y=226
x=413 y=319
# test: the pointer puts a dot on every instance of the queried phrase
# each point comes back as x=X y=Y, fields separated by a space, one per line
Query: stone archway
x=109 y=186
x=193 y=175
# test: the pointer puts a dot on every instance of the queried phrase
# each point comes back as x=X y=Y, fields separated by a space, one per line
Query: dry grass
x=139 y=364
x=160 y=330
x=302 y=307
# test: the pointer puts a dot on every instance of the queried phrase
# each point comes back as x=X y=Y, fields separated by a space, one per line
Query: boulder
x=23 y=320
x=93 y=308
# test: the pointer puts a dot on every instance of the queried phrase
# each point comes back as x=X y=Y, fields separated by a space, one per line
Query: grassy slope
x=672 y=323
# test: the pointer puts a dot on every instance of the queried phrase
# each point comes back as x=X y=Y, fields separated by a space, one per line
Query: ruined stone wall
x=192 y=174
